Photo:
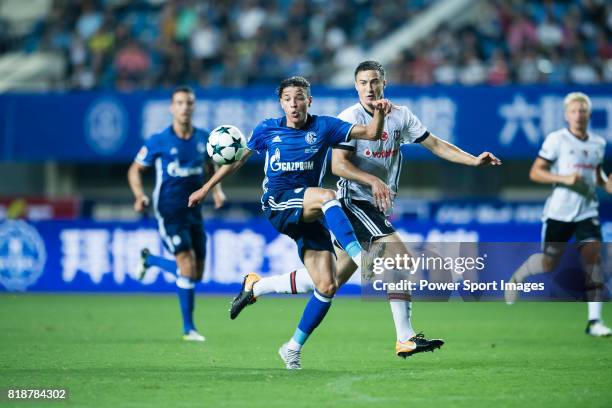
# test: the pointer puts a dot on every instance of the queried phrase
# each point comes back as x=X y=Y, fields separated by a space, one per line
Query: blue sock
x=314 y=312
x=163 y=263
x=186 y=295
x=341 y=227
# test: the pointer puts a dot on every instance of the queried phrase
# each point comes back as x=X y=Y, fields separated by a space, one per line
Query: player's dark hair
x=182 y=88
x=370 y=66
x=296 y=81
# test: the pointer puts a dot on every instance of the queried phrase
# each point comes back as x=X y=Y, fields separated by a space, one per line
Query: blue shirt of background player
x=179 y=169
x=296 y=157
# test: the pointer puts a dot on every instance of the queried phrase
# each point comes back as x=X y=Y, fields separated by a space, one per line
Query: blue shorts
x=284 y=210
x=183 y=232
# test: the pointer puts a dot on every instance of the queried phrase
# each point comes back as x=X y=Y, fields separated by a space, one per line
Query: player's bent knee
x=328 y=289
x=328 y=195
x=549 y=263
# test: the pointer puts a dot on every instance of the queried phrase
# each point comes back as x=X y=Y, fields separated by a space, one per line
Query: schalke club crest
x=22 y=255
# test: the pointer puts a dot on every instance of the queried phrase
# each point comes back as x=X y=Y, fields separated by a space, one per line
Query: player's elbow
x=534 y=174
x=372 y=135
x=337 y=167
x=132 y=171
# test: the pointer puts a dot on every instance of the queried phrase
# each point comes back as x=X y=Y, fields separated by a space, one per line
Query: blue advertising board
x=90 y=256
x=110 y=127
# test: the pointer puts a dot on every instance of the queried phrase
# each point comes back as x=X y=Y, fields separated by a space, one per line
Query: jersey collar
x=173 y=133
x=365 y=110
x=309 y=121
x=576 y=137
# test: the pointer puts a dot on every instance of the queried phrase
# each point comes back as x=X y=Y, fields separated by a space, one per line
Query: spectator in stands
x=224 y=43
x=132 y=63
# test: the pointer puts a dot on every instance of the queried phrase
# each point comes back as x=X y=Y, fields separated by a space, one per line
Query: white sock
x=532 y=266
x=402 y=311
x=298 y=281
x=294 y=345
x=594 y=310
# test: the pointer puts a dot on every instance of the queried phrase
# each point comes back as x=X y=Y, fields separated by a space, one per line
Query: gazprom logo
x=22 y=255
x=277 y=165
x=106 y=126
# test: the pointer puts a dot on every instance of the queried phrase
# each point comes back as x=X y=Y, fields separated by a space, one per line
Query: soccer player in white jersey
x=571 y=160
x=369 y=177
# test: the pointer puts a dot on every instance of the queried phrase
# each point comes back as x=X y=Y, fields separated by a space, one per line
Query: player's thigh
x=589 y=237
x=322 y=269
x=555 y=235
x=393 y=245
x=314 y=198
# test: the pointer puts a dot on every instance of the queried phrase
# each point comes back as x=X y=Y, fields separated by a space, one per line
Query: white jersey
x=381 y=158
x=567 y=155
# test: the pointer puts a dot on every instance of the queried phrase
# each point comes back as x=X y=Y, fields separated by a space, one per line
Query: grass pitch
x=126 y=351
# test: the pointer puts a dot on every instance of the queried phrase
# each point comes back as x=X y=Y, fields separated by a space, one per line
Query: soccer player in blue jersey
x=179 y=155
x=369 y=179
x=296 y=146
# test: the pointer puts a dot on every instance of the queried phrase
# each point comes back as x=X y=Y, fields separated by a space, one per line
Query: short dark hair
x=370 y=66
x=297 y=81
x=180 y=89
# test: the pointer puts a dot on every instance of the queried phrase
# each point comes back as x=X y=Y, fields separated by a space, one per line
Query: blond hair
x=577 y=97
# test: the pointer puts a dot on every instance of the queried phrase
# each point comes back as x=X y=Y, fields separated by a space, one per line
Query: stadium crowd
x=151 y=43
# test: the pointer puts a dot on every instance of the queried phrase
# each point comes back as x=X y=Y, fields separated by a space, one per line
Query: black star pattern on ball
x=217 y=149
x=223 y=129
x=237 y=143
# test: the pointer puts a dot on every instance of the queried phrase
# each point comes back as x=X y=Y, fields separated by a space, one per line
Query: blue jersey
x=296 y=157
x=179 y=168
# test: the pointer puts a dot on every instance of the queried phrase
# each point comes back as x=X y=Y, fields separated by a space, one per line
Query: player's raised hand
x=197 y=196
x=383 y=105
x=141 y=203
x=382 y=194
x=487 y=159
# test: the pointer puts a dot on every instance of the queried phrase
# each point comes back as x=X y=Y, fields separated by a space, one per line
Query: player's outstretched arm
x=134 y=176
x=540 y=173
x=450 y=152
x=197 y=196
x=374 y=129
x=342 y=166
x=218 y=194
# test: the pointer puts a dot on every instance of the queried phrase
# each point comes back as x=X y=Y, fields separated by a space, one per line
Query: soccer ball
x=226 y=144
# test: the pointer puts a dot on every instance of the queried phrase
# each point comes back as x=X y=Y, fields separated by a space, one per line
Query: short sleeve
x=351 y=144
x=257 y=140
x=550 y=148
x=148 y=152
x=337 y=130
x=412 y=130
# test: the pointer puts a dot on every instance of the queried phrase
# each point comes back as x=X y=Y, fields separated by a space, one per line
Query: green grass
x=126 y=351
